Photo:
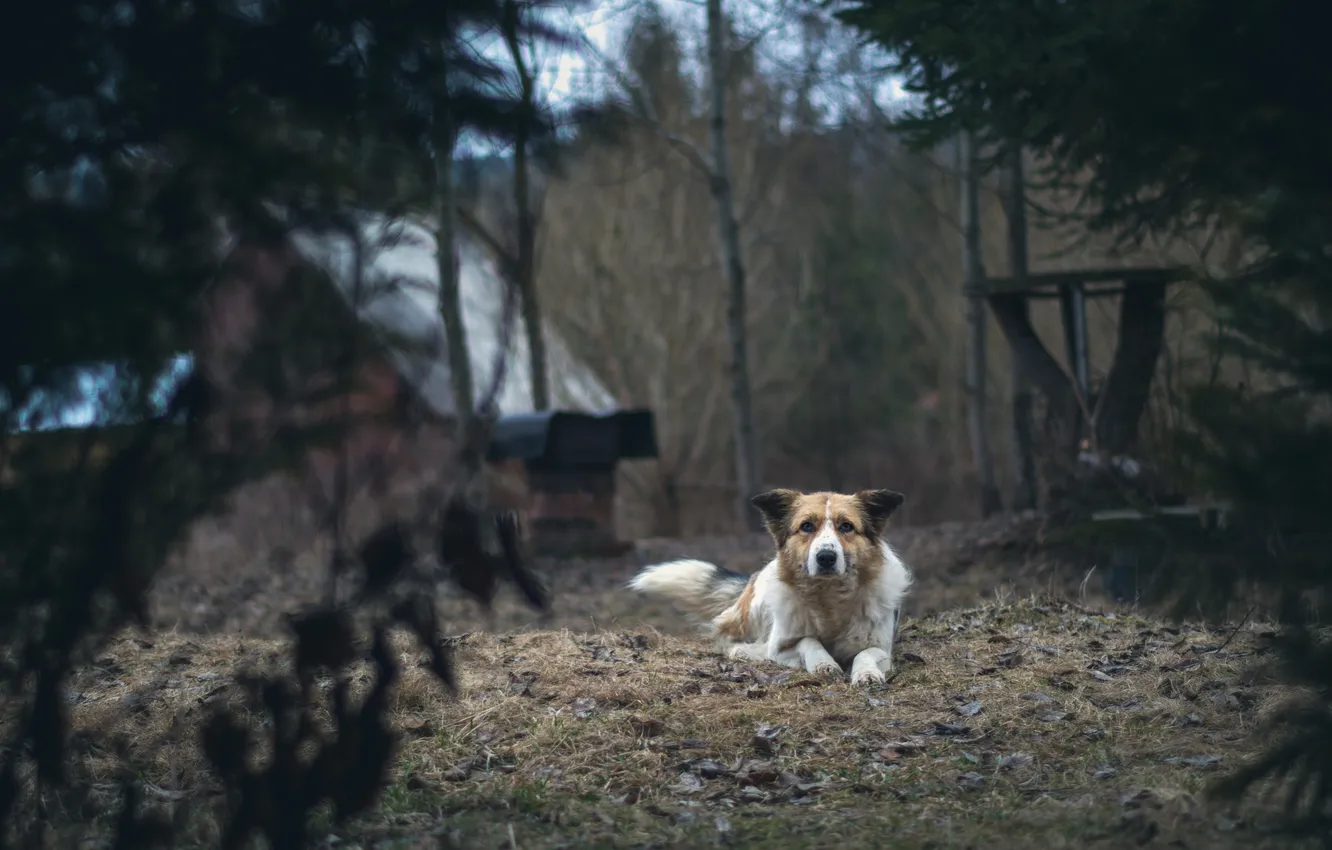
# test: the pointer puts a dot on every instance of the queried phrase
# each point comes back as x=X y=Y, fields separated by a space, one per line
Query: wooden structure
x=1119 y=403
x=567 y=462
x=1111 y=411
x=1208 y=515
x=1073 y=288
x=1105 y=416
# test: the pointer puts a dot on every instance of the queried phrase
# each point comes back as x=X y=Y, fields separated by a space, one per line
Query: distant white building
x=399 y=300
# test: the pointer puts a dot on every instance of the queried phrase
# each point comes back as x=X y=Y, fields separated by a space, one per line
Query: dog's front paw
x=828 y=669
x=866 y=675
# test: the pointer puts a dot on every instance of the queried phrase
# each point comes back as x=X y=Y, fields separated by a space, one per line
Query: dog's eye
x=846 y=528
x=807 y=527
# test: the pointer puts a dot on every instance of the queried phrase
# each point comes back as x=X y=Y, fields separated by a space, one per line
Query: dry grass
x=1042 y=724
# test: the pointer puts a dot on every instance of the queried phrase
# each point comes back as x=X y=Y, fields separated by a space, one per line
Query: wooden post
x=1073 y=312
x=1075 y=325
x=977 y=321
x=1024 y=465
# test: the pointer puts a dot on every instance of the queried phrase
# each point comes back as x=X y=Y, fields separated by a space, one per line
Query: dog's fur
x=831 y=595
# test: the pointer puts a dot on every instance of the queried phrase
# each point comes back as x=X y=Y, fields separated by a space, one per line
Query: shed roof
x=398 y=299
x=561 y=438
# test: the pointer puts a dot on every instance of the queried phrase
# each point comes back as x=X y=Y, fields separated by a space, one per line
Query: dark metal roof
x=560 y=438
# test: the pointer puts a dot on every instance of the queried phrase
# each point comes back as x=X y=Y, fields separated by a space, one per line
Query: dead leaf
x=969 y=709
x=647 y=727
x=417 y=726
x=583 y=707
x=1013 y=761
x=706 y=768
x=638 y=643
x=970 y=781
x=950 y=729
x=800 y=786
x=520 y=684
x=759 y=773
x=1232 y=700
x=1144 y=799
x=1098 y=676
x=765 y=739
x=905 y=748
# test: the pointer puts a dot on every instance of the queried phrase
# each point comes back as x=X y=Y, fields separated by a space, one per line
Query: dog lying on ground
x=831 y=595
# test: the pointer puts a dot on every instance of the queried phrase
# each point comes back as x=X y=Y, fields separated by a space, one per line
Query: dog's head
x=827 y=534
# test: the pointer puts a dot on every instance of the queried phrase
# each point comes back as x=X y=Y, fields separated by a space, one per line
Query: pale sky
x=604 y=24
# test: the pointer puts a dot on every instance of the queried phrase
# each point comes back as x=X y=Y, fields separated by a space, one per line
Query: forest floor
x=1026 y=710
x=1035 y=723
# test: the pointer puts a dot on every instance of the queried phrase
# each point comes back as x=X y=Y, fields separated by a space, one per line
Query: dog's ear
x=775 y=505
x=879 y=505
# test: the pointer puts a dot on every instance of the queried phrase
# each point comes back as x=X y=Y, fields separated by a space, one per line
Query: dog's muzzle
x=825 y=562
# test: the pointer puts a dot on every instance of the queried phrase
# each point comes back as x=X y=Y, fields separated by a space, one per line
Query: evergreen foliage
x=1170 y=115
x=137 y=135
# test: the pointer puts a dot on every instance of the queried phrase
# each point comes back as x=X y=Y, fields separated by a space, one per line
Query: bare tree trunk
x=450 y=294
x=1024 y=464
x=522 y=197
x=977 y=320
x=728 y=232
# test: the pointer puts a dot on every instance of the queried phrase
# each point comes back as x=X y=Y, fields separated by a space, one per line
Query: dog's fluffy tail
x=704 y=590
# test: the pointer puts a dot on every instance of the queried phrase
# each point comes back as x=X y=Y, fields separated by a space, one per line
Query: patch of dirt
x=1020 y=724
x=225 y=587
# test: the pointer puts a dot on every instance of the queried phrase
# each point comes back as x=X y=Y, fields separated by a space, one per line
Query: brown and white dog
x=830 y=597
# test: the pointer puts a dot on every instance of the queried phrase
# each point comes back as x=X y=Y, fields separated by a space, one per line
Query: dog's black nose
x=827 y=560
